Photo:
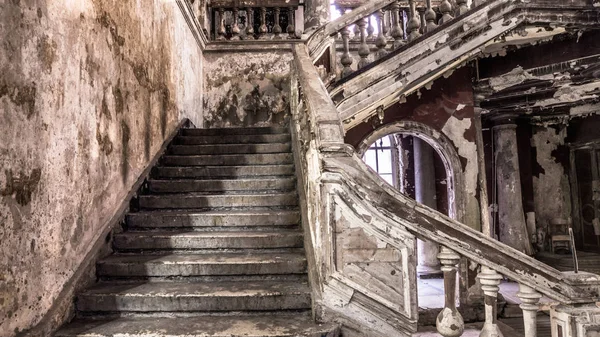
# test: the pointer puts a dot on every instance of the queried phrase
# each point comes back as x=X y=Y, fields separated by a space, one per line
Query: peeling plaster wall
x=552 y=192
x=89 y=91
x=247 y=89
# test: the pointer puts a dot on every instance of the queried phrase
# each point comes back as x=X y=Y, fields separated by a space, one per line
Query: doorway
x=585 y=175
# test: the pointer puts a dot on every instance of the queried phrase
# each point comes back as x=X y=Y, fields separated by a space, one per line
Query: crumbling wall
x=89 y=91
x=247 y=88
x=551 y=189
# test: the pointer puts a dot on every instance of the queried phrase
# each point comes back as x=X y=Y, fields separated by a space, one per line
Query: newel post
x=449 y=322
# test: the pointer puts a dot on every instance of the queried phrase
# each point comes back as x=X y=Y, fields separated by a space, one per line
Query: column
x=511 y=218
x=425 y=192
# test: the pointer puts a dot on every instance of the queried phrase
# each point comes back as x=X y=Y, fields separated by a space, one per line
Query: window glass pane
x=385 y=161
x=370 y=159
x=388 y=178
x=384 y=141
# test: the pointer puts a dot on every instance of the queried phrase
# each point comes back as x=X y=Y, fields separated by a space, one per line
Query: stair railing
x=362 y=230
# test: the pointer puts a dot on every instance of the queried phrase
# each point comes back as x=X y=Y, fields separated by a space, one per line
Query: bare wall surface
x=247 y=88
x=88 y=92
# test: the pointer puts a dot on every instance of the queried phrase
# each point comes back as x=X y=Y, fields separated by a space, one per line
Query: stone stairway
x=215 y=249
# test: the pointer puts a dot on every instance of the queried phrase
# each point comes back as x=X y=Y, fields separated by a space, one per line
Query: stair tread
x=237 y=130
x=212 y=234
x=198 y=289
x=212 y=212
x=252 y=326
x=221 y=258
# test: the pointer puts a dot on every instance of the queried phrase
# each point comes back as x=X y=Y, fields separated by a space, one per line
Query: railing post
x=462 y=7
x=235 y=29
x=221 y=28
x=449 y=322
x=262 y=29
x=346 y=59
x=291 y=28
x=397 y=32
x=249 y=22
x=363 y=49
x=430 y=17
x=380 y=41
x=446 y=9
x=370 y=28
x=276 y=27
x=529 y=304
x=490 y=279
x=414 y=23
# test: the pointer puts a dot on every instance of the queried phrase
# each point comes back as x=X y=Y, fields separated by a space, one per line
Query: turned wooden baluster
x=397 y=32
x=446 y=9
x=449 y=322
x=422 y=27
x=249 y=23
x=235 y=29
x=430 y=17
x=346 y=59
x=370 y=28
x=387 y=22
x=529 y=304
x=221 y=28
x=414 y=23
x=490 y=279
x=380 y=41
x=462 y=7
x=291 y=29
x=363 y=49
x=276 y=27
x=262 y=29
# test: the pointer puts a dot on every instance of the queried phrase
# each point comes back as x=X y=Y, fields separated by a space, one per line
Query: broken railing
x=253 y=20
x=361 y=233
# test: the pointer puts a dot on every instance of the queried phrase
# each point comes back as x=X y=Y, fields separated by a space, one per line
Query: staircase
x=215 y=248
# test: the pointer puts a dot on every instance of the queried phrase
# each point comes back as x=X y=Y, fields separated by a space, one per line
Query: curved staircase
x=215 y=248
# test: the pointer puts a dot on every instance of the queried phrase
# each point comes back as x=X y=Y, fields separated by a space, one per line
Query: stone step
x=233 y=171
x=234 y=131
x=230 y=148
x=196 y=200
x=232 y=139
x=195 y=297
x=217 y=185
x=207 y=240
x=207 y=326
x=229 y=159
x=202 y=265
x=212 y=219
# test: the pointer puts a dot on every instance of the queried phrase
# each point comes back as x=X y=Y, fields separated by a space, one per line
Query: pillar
x=425 y=194
x=511 y=218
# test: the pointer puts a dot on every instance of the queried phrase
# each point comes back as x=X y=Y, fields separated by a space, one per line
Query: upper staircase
x=214 y=248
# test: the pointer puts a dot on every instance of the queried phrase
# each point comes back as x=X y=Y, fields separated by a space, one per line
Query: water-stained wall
x=247 y=88
x=89 y=91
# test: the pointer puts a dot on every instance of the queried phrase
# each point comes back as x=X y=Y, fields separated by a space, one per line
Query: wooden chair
x=560 y=235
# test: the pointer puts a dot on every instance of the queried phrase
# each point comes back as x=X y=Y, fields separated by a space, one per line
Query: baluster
x=381 y=41
x=490 y=280
x=462 y=7
x=291 y=30
x=397 y=32
x=346 y=59
x=529 y=304
x=250 y=22
x=422 y=11
x=370 y=28
x=446 y=9
x=414 y=22
x=430 y=17
x=449 y=322
x=363 y=49
x=276 y=27
x=221 y=28
x=262 y=29
x=356 y=32
x=386 y=22
x=235 y=29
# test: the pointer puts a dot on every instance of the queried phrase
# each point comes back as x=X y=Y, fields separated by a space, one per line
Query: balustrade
x=254 y=21
x=379 y=33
